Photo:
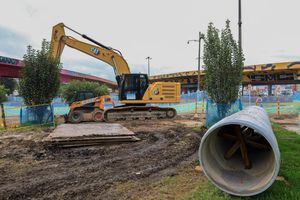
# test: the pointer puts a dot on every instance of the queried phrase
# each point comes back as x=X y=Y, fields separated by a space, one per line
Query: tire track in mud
x=92 y=171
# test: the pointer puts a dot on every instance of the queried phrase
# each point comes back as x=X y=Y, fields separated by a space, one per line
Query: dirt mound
x=31 y=169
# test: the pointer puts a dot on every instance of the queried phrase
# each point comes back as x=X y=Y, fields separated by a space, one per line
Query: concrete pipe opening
x=239 y=154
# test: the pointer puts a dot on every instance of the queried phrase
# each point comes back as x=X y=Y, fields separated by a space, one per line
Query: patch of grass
x=179 y=186
x=279 y=191
x=173 y=185
x=34 y=128
x=200 y=129
x=2 y=130
x=289 y=145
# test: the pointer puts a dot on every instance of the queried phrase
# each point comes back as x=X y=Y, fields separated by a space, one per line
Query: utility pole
x=199 y=64
x=201 y=36
x=240 y=24
x=148 y=58
x=240 y=32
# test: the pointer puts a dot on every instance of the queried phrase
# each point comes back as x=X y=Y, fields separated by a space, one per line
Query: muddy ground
x=289 y=122
x=31 y=169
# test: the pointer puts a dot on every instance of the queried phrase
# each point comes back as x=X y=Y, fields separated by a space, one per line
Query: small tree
x=69 y=90
x=40 y=78
x=223 y=67
x=9 y=83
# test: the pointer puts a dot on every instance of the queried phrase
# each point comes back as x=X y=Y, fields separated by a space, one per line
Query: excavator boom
x=99 y=51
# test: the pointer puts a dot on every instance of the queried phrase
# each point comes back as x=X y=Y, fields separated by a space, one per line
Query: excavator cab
x=133 y=86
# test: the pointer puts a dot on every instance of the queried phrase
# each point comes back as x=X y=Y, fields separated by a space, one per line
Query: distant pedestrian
x=259 y=101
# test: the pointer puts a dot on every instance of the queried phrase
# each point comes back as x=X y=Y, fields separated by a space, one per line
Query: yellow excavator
x=136 y=94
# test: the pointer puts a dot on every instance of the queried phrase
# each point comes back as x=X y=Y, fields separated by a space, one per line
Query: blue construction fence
x=288 y=104
x=16 y=112
x=28 y=115
x=216 y=112
x=40 y=114
x=186 y=105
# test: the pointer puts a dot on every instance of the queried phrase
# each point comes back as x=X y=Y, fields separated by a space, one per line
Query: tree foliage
x=3 y=92
x=223 y=64
x=40 y=77
x=69 y=90
x=9 y=83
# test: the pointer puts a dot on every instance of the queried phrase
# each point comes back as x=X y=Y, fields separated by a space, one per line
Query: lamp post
x=240 y=31
x=148 y=58
x=240 y=24
x=201 y=36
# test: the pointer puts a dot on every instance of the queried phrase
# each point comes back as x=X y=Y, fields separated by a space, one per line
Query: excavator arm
x=99 y=51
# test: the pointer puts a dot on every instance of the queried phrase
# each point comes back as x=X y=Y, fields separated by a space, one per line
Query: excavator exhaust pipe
x=240 y=154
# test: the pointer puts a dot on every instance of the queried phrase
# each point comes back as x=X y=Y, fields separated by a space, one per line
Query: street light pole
x=201 y=36
x=240 y=24
x=199 y=58
x=148 y=58
x=240 y=31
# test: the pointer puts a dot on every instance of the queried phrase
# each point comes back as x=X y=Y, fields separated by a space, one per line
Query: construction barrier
x=291 y=108
x=12 y=117
x=28 y=115
x=191 y=103
x=39 y=114
x=188 y=106
x=267 y=99
x=216 y=112
x=199 y=107
x=2 y=119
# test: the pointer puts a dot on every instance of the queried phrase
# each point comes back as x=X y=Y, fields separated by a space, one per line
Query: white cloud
x=92 y=67
x=156 y=28
x=12 y=42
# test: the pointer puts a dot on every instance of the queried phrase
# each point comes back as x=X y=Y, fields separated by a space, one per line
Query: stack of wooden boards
x=89 y=134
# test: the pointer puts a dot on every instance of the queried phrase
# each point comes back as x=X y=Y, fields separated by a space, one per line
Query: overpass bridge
x=263 y=74
x=10 y=67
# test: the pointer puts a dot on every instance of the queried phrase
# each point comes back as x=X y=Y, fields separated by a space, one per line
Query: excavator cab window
x=133 y=86
x=83 y=95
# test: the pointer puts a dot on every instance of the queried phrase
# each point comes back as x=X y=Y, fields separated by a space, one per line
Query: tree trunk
x=3 y=115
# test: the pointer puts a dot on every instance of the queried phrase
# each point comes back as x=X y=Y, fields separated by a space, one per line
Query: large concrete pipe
x=240 y=154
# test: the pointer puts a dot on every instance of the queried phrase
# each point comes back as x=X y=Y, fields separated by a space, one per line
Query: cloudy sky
x=156 y=28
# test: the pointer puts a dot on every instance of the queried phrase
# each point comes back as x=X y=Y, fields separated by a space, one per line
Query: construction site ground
x=289 y=122
x=33 y=169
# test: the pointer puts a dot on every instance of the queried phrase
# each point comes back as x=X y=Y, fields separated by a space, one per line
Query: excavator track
x=130 y=113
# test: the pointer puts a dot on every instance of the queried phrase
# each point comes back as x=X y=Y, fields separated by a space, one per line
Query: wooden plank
x=258 y=145
x=82 y=139
x=243 y=147
x=228 y=136
x=90 y=130
x=247 y=141
x=232 y=150
x=94 y=143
